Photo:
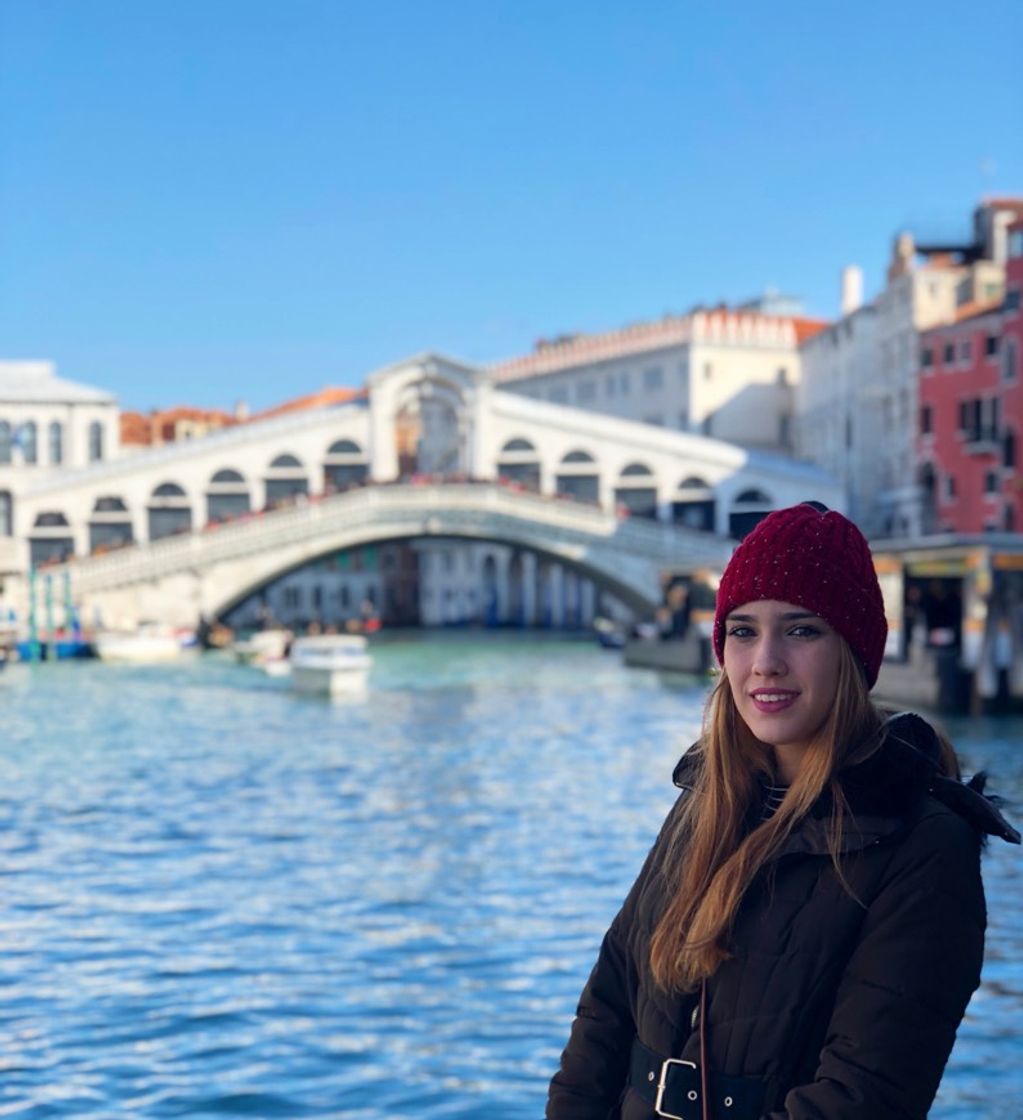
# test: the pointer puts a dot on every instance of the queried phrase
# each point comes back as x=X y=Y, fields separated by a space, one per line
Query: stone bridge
x=179 y=580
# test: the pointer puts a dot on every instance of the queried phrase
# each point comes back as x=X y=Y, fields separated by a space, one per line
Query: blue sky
x=213 y=200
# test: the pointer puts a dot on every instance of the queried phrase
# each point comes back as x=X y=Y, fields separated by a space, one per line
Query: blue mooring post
x=33 y=631
x=51 y=630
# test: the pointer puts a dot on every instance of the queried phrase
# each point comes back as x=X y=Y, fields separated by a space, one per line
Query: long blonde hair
x=709 y=859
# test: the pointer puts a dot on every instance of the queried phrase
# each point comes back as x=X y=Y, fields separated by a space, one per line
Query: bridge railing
x=403 y=506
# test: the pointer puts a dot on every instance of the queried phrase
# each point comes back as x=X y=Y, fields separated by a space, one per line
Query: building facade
x=858 y=404
x=725 y=373
x=971 y=413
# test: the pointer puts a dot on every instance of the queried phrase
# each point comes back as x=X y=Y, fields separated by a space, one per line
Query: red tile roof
x=322 y=398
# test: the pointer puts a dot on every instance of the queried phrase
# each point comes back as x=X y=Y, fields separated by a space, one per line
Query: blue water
x=220 y=899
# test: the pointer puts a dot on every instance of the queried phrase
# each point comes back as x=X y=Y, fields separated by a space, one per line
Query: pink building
x=971 y=413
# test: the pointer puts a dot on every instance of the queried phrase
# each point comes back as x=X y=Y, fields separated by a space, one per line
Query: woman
x=808 y=928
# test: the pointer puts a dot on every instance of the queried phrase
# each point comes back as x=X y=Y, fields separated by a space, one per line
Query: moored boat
x=149 y=643
x=330 y=664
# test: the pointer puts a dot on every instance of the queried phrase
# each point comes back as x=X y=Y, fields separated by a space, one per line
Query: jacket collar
x=883 y=789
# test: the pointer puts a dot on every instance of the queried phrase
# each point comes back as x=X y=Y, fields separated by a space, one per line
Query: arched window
x=227 y=476
x=519 y=464
x=749 y=508
x=344 y=466
x=285 y=480
x=95 y=441
x=577 y=477
x=637 y=491
x=110 y=524
x=693 y=505
x=344 y=447
x=227 y=496
x=285 y=462
x=28 y=437
x=168 y=490
x=50 y=541
x=5 y=441
x=169 y=511
x=56 y=443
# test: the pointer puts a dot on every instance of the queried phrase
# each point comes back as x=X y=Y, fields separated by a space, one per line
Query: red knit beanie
x=814 y=558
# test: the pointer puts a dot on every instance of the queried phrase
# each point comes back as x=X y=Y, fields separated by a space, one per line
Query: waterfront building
x=724 y=372
x=836 y=410
x=971 y=412
x=48 y=426
x=860 y=382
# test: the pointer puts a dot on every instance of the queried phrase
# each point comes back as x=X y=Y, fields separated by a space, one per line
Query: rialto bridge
x=196 y=526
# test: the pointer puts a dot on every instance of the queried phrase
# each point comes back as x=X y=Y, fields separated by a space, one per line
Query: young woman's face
x=782 y=663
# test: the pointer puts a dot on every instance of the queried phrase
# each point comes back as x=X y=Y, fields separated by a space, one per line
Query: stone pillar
x=556 y=591
x=530 y=606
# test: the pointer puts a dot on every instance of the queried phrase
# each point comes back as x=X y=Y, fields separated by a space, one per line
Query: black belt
x=672 y=1086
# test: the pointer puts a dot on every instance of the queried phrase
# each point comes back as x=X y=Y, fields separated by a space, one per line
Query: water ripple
x=220 y=899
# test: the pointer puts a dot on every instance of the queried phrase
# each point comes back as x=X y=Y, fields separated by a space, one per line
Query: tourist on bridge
x=808 y=928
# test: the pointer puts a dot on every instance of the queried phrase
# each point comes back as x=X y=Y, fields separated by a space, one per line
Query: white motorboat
x=262 y=646
x=149 y=643
x=330 y=664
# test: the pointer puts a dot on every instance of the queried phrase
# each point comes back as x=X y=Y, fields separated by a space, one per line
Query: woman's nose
x=768 y=661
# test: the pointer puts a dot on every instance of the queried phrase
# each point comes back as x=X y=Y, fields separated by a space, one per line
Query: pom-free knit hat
x=815 y=558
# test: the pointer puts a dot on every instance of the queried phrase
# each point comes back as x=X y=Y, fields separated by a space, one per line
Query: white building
x=724 y=373
x=838 y=411
x=48 y=425
x=857 y=406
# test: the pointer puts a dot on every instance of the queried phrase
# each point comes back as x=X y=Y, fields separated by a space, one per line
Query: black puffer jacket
x=842 y=1011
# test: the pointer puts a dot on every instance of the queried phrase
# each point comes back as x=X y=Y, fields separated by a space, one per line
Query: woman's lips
x=773 y=700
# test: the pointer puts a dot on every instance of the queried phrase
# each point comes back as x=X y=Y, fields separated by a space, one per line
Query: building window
x=95 y=441
x=927 y=357
x=949 y=353
x=708 y=371
x=991 y=345
x=653 y=378
x=317 y=598
x=950 y=487
x=586 y=391
x=781 y=377
x=1016 y=243
x=624 y=383
x=1009 y=449
x=559 y=394
x=965 y=350
x=56 y=443
x=610 y=385
x=1010 y=357
x=1012 y=299
x=990 y=482
x=926 y=420
x=5 y=441
x=28 y=438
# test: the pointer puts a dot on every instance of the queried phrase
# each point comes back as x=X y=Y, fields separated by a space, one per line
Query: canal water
x=220 y=899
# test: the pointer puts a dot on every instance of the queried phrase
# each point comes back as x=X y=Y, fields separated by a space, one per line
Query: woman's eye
x=804 y=632
x=739 y=632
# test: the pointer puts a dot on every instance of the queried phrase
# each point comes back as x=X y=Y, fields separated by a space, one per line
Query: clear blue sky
x=205 y=200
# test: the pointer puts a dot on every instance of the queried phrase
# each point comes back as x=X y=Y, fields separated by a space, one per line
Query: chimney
x=241 y=411
x=852 y=289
